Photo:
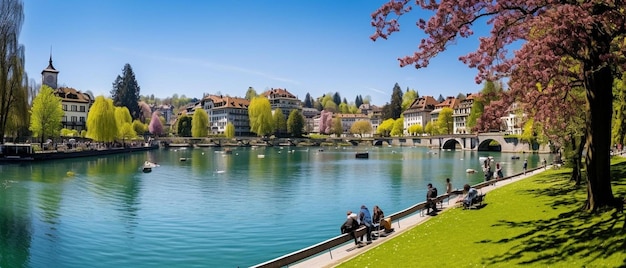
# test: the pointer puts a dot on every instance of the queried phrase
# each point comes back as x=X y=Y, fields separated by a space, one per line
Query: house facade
x=75 y=104
x=223 y=110
x=461 y=114
x=418 y=112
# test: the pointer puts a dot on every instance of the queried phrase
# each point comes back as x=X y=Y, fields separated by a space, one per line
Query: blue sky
x=196 y=47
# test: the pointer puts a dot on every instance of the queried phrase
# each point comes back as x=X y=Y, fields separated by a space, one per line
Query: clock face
x=49 y=78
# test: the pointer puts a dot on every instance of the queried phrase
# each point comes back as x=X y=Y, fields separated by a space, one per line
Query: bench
x=477 y=202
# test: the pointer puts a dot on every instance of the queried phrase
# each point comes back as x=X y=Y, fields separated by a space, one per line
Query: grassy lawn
x=535 y=222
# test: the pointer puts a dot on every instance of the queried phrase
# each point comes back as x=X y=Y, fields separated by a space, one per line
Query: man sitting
x=431 y=199
x=469 y=196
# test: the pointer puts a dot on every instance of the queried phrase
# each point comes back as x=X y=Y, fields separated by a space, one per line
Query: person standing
x=431 y=197
x=499 y=173
x=366 y=219
x=448 y=186
x=525 y=165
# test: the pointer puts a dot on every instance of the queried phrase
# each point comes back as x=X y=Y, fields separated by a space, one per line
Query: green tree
x=139 y=127
x=46 y=114
x=337 y=127
x=184 y=126
x=430 y=128
x=478 y=107
x=101 y=123
x=308 y=101
x=384 y=129
x=528 y=133
x=200 y=123
x=361 y=127
x=124 y=126
x=295 y=123
x=251 y=94
x=445 y=123
x=13 y=79
x=229 y=131
x=344 y=108
x=398 y=127
x=337 y=98
x=280 y=122
x=125 y=92
x=409 y=96
x=394 y=109
x=260 y=113
x=416 y=129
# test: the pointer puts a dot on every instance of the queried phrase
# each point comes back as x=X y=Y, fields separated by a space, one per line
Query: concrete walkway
x=348 y=251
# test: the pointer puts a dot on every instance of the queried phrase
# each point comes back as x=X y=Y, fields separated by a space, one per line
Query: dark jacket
x=349 y=225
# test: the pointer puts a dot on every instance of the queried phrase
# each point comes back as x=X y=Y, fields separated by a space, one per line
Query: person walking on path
x=448 y=186
x=525 y=165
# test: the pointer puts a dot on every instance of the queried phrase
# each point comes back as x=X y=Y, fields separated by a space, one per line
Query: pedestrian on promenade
x=525 y=165
x=350 y=226
x=366 y=219
x=431 y=197
x=499 y=173
x=544 y=163
x=448 y=186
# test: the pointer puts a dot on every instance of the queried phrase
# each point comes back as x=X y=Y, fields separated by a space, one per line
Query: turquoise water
x=213 y=210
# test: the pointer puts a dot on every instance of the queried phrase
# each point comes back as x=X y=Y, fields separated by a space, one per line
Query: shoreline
x=347 y=251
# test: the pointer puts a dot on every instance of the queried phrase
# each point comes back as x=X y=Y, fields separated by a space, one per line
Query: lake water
x=213 y=210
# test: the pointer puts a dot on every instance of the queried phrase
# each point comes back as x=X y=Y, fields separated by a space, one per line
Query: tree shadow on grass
x=571 y=236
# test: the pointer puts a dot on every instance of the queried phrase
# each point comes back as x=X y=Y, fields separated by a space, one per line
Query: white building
x=461 y=114
x=418 y=112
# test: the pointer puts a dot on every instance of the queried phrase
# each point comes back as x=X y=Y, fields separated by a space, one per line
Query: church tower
x=49 y=75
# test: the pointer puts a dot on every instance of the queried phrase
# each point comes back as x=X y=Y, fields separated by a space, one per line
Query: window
x=64 y=107
x=74 y=119
x=74 y=108
x=82 y=119
x=82 y=108
x=64 y=118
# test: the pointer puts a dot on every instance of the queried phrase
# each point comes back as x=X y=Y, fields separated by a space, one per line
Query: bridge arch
x=488 y=145
x=452 y=144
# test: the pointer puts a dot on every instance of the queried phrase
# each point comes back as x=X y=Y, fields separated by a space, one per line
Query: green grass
x=536 y=222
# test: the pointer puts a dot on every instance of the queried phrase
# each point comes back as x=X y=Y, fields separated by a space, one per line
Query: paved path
x=348 y=251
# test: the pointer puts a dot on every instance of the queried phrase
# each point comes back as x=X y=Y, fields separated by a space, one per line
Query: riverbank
x=534 y=222
x=347 y=251
x=66 y=154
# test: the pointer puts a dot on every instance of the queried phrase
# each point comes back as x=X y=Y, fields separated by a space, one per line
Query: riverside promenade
x=348 y=251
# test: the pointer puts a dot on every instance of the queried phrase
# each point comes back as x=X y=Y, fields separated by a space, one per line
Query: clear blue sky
x=196 y=47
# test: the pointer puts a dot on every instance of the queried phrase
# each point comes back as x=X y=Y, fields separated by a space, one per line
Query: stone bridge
x=492 y=141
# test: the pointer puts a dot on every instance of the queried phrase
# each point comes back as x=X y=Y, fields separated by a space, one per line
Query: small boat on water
x=182 y=159
x=362 y=155
x=514 y=157
x=469 y=170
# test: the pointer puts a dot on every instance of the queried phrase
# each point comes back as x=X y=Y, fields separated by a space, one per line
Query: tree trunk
x=598 y=84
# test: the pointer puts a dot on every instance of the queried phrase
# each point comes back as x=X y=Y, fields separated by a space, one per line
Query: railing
x=344 y=238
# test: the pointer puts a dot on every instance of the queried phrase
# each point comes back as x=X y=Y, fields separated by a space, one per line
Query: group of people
x=364 y=218
x=489 y=174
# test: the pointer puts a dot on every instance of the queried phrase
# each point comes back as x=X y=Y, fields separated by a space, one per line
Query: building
x=419 y=111
x=348 y=119
x=309 y=116
x=449 y=102
x=281 y=98
x=461 y=114
x=75 y=107
x=223 y=110
x=513 y=120
x=75 y=104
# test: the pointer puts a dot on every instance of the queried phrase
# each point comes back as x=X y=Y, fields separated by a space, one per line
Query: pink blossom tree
x=155 y=127
x=564 y=45
x=326 y=121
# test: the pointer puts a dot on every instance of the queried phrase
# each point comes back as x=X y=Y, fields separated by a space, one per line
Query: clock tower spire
x=49 y=75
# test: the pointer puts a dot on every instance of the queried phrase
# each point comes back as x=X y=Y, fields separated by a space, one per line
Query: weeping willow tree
x=101 y=123
x=123 y=121
x=199 y=124
x=13 y=78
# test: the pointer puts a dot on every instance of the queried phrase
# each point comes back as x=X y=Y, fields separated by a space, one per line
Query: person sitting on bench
x=470 y=194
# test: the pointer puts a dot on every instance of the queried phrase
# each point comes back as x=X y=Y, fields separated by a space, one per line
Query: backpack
x=433 y=193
